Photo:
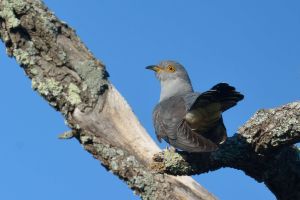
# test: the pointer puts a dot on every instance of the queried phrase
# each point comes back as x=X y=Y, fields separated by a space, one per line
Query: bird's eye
x=171 y=68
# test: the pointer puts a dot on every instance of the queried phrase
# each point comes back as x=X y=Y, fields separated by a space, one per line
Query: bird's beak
x=155 y=68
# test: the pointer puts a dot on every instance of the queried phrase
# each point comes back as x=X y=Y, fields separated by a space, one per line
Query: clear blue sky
x=253 y=45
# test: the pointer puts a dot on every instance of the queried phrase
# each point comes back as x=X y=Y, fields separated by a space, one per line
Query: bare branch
x=272 y=129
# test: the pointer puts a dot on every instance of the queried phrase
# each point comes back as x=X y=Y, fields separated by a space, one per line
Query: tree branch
x=261 y=149
x=75 y=83
x=273 y=129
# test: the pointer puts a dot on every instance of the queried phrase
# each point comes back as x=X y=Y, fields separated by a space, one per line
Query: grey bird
x=188 y=120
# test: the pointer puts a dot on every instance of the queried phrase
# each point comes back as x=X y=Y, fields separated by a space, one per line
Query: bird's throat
x=174 y=87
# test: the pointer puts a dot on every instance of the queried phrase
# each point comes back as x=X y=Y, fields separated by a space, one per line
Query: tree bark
x=76 y=84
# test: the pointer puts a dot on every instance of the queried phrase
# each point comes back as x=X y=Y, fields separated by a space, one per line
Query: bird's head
x=169 y=70
x=173 y=78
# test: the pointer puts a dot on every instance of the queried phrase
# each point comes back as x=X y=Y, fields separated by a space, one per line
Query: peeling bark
x=76 y=84
x=261 y=148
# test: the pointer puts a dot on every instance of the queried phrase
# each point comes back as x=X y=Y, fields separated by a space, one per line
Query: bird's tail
x=226 y=95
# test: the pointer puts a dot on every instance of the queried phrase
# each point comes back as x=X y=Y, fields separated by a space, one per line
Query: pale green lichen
x=91 y=74
x=175 y=163
x=73 y=94
x=84 y=87
x=148 y=185
x=114 y=165
x=120 y=152
x=22 y=57
x=34 y=84
x=76 y=126
x=48 y=86
x=34 y=71
x=85 y=138
x=26 y=57
x=19 y=6
x=8 y=14
x=47 y=23
x=5 y=37
x=9 y=8
x=142 y=181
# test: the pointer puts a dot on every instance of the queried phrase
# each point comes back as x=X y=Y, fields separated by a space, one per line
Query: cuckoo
x=187 y=120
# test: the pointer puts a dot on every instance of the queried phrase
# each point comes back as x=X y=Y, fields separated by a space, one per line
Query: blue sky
x=253 y=45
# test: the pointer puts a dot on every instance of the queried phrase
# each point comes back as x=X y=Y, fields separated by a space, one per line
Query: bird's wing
x=159 y=125
x=166 y=117
x=222 y=93
x=190 y=141
x=169 y=123
x=204 y=114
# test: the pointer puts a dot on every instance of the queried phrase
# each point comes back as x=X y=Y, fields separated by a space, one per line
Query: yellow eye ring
x=171 y=68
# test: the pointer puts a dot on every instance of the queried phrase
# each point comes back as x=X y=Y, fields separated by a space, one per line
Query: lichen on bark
x=149 y=185
x=35 y=42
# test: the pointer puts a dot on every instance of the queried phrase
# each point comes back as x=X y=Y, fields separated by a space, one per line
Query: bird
x=187 y=120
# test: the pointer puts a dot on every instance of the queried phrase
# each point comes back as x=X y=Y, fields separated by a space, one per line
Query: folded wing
x=204 y=115
x=169 y=123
